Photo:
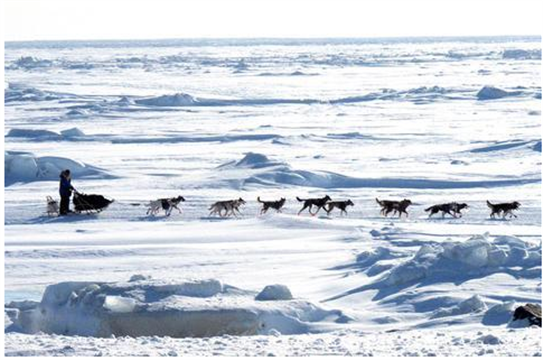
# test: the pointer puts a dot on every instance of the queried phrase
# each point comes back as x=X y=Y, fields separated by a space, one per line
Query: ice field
x=427 y=119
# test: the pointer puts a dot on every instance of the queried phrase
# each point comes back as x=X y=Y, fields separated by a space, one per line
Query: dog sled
x=90 y=203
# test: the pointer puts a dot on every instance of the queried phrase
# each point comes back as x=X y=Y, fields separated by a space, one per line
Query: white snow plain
x=426 y=119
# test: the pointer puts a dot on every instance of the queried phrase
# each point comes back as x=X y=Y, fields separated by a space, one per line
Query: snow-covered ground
x=428 y=120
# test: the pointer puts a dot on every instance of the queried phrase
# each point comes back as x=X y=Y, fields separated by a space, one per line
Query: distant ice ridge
x=20 y=92
x=147 y=307
x=416 y=94
x=179 y=99
x=521 y=54
x=26 y=167
x=45 y=135
x=31 y=62
x=258 y=169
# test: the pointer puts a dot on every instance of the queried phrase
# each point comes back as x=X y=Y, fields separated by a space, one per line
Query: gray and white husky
x=230 y=207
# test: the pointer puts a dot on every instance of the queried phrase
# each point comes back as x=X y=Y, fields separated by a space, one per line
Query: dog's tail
x=260 y=201
x=430 y=208
x=379 y=202
x=489 y=204
x=297 y=198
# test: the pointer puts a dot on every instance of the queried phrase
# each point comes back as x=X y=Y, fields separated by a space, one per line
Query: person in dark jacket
x=65 y=190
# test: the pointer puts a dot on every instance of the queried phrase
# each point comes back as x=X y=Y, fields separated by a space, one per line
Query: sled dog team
x=232 y=207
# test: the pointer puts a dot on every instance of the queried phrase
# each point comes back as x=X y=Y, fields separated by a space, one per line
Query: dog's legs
x=318 y=209
x=302 y=209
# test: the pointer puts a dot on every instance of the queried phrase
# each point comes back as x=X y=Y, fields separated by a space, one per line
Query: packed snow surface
x=430 y=120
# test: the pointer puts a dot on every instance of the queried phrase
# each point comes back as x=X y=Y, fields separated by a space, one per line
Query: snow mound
x=274 y=292
x=493 y=93
x=521 y=54
x=254 y=161
x=25 y=167
x=179 y=99
x=474 y=257
x=198 y=308
x=470 y=305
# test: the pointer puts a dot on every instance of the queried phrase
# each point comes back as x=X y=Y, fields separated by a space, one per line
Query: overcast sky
x=153 y=19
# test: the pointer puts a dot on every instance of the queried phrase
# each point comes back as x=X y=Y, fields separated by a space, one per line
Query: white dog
x=52 y=207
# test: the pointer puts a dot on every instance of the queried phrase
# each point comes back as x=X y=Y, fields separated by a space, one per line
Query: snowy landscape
x=432 y=120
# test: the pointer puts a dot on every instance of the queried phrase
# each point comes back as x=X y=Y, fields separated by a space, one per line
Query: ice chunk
x=179 y=99
x=168 y=308
x=73 y=132
x=492 y=93
x=119 y=304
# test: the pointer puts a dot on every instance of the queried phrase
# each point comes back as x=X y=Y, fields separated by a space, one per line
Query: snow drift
x=258 y=169
x=25 y=167
x=479 y=255
x=419 y=94
x=146 y=307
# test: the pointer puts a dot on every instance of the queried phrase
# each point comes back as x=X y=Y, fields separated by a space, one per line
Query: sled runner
x=90 y=203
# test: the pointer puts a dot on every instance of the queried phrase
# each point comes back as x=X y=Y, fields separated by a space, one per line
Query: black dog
x=452 y=209
x=387 y=206
x=277 y=205
x=506 y=208
x=342 y=205
x=309 y=203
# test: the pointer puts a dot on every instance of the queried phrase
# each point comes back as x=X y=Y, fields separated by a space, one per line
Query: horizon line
x=277 y=38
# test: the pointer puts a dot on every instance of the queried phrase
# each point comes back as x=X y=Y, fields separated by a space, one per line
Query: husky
x=452 y=209
x=309 y=203
x=388 y=206
x=342 y=205
x=266 y=205
x=166 y=204
x=506 y=208
x=52 y=206
x=228 y=206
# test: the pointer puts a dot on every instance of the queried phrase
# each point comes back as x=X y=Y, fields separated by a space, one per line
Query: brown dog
x=388 y=206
